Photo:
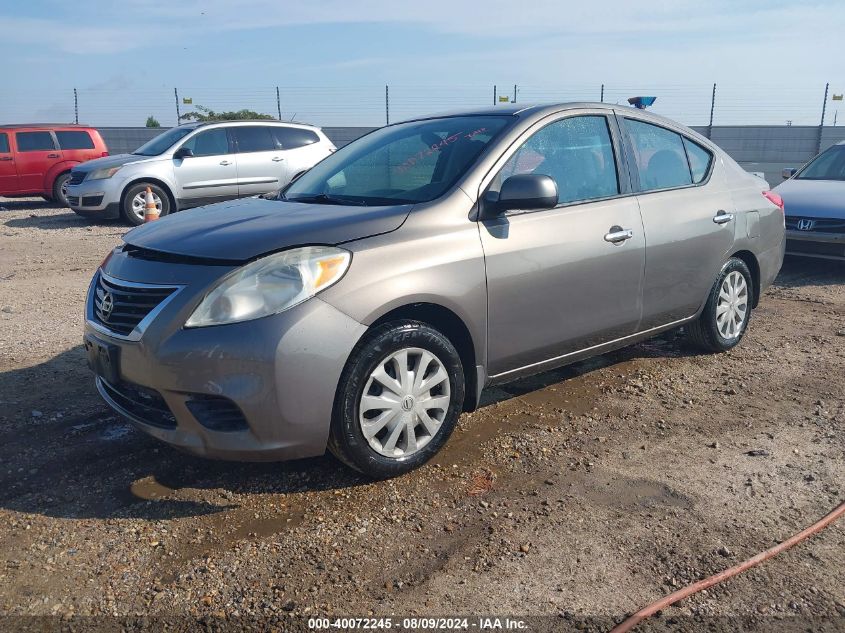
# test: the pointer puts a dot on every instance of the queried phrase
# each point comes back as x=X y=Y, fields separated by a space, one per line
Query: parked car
x=197 y=164
x=814 y=202
x=36 y=160
x=371 y=303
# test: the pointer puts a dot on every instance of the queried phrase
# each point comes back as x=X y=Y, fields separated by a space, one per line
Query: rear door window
x=34 y=141
x=254 y=138
x=74 y=139
x=4 y=143
x=659 y=155
x=209 y=143
x=291 y=137
x=699 y=160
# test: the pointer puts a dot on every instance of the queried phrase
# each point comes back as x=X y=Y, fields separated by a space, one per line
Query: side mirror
x=183 y=152
x=789 y=172
x=524 y=192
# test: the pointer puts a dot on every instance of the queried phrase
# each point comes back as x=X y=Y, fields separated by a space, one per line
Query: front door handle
x=6 y=158
x=52 y=155
x=617 y=235
x=225 y=162
x=277 y=159
x=722 y=217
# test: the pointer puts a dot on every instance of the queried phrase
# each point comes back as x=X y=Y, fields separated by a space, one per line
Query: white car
x=196 y=164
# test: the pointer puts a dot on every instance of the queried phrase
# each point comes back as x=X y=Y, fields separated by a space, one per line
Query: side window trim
x=632 y=163
x=623 y=181
x=48 y=132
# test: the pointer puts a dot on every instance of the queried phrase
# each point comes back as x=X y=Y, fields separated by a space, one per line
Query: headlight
x=102 y=174
x=271 y=284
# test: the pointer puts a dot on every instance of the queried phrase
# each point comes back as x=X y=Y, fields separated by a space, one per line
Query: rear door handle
x=617 y=235
x=277 y=159
x=52 y=155
x=225 y=162
x=723 y=218
x=6 y=158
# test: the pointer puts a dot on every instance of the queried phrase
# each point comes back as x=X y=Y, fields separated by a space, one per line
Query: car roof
x=197 y=124
x=47 y=126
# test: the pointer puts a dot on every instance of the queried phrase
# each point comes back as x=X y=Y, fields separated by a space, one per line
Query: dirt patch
x=581 y=493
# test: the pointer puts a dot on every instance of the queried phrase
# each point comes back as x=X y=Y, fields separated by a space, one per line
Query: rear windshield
x=400 y=164
x=163 y=141
x=829 y=165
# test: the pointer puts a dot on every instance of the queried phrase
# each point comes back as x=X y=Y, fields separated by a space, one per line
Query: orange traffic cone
x=151 y=211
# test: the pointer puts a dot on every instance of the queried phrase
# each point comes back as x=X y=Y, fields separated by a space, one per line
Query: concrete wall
x=763 y=148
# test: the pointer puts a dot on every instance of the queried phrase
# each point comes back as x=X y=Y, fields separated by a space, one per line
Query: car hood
x=117 y=160
x=244 y=229
x=813 y=198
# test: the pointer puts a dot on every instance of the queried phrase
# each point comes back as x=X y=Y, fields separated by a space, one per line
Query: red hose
x=632 y=621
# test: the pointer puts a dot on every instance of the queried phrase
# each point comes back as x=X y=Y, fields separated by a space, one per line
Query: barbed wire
x=371 y=105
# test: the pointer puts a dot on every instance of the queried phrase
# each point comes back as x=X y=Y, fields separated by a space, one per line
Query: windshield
x=400 y=164
x=829 y=165
x=163 y=141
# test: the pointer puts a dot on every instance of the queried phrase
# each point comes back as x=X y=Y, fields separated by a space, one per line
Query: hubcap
x=404 y=402
x=732 y=308
x=139 y=203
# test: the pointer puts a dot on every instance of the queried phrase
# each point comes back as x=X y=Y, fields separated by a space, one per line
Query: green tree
x=207 y=114
x=152 y=122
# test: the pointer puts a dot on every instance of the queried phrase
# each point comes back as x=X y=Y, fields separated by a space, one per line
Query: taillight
x=104 y=154
x=774 y=198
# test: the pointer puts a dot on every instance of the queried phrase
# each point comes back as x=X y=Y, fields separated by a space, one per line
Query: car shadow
x=807 y=271
x=23 y=204
x=64 y=453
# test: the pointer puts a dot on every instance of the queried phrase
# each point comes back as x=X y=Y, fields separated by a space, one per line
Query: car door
x=36 y=155
x=211 y=174
x=687 y=213
x=8 y=171
x=76 y=145
x=261 y=162
x=567 y=278
x=301 y=149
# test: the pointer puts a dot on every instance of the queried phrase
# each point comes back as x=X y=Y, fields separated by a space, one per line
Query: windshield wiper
x=324 y=198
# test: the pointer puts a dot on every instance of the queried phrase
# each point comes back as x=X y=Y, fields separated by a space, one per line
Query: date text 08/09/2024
x=419 y=623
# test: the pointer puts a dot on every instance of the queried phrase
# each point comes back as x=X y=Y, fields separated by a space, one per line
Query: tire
x=129 y=208
x=380 y=352
x=733 y=291
x=60 y=189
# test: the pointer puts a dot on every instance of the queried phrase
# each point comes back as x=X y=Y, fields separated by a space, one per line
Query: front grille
x=76 y=177
x=92 y=201
x=129 y=303
x=804 y=247
x=216 y=413
x=145 y=404
x=821 y=225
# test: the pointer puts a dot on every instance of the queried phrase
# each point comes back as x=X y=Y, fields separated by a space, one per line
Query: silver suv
x=196 y=164
x=381 y=292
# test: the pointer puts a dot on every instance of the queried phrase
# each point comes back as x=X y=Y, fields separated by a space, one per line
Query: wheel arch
x=754 y=266
x=155 y=181
x=453 y=327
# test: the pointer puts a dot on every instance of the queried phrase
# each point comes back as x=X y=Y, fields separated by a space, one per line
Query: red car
x=35 y=160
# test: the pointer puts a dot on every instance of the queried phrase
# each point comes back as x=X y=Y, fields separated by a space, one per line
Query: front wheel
x=398 y=400
x=60 y=189
x=725 y=316
x=134 y=202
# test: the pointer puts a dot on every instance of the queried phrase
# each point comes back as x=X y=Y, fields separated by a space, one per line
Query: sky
x=331 y=59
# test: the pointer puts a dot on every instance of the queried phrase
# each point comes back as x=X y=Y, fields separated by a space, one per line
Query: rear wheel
x=60 y=189
x=134 y=202
x=398 y=400
x=724 y=319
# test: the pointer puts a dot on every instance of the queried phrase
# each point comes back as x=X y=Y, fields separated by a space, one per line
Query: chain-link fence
x=692 y=104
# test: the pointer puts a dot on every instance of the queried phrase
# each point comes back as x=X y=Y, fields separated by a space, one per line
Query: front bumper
x=815 y=244
x=97 y=198
x=279 y=373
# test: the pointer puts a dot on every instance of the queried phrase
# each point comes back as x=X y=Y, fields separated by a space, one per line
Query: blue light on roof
x=642 y=102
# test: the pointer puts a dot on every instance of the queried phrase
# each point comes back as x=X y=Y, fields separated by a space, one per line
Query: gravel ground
x=578 y=495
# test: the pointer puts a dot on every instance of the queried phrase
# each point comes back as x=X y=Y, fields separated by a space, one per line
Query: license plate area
x=103 y=358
